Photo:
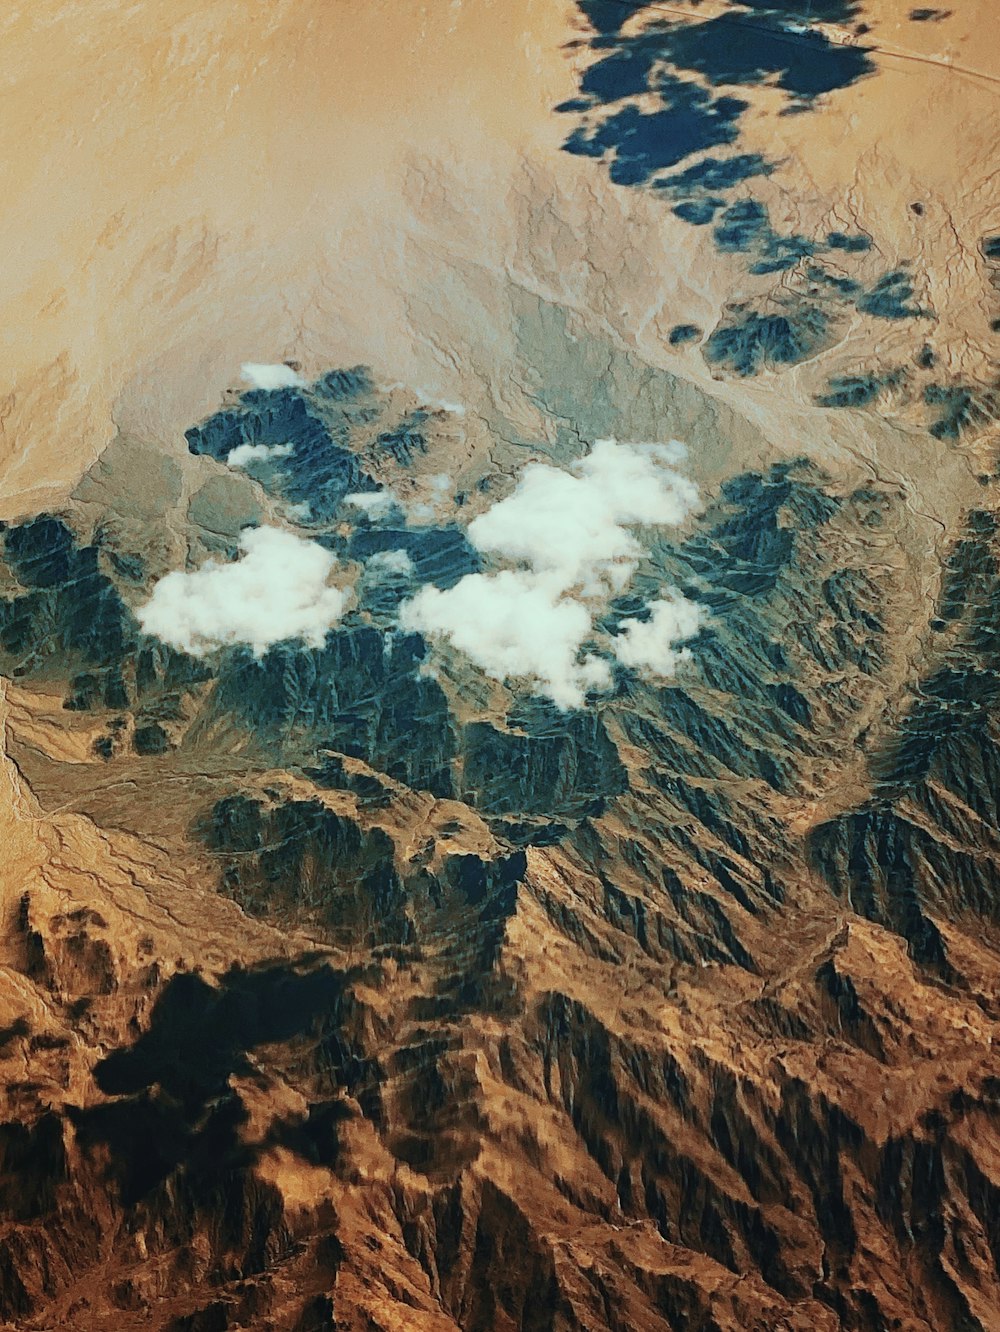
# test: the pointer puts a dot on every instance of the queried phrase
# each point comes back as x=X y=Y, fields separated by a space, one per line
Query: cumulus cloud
x=437 y=404
x=440 y=404
x=572 y=533
x=277 y=589
x=514 y=624
x=374 y=503
x=246 y=453
x=390 y=562
x=651 y=644
x=426 y=399
x=439 y=488
x=575 y=524
x=270 y=376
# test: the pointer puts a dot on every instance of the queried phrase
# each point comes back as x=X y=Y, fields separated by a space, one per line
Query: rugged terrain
x=348 y=983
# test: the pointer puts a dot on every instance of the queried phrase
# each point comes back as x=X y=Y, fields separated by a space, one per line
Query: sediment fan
x=500 y=667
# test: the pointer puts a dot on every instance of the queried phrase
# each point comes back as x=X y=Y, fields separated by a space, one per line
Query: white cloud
x=514 y=624
x=245 y=453
x=572 y=530
x=652 y=644
x=426 y=399
x=440 y=404
x=575 y=524
x=390 y=562
x=270 y=376
x=439 y=489
x=276 y=590
x=374 y=503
